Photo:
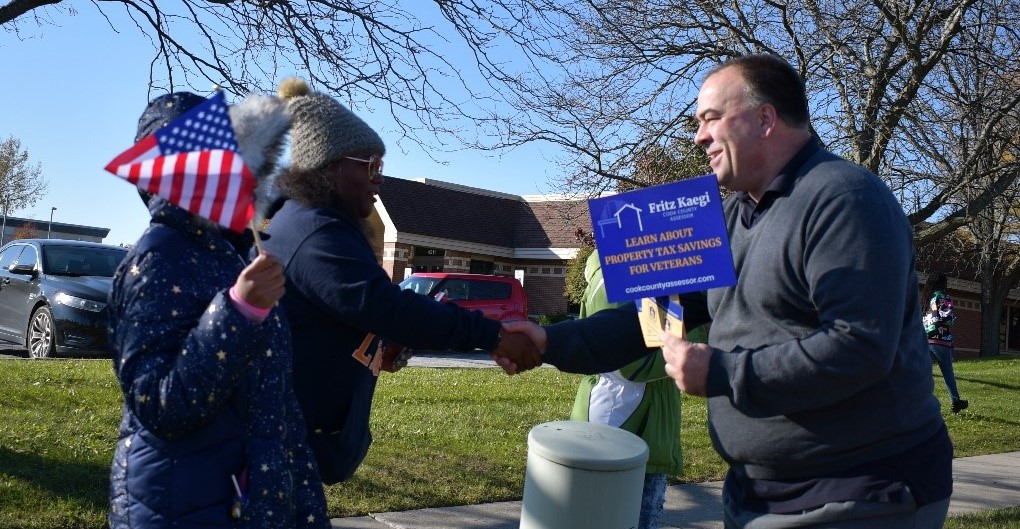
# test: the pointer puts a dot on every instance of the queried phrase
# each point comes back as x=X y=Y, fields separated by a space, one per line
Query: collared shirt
x=750 y=210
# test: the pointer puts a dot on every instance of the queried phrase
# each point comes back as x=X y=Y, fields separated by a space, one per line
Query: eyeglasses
x=375 y=165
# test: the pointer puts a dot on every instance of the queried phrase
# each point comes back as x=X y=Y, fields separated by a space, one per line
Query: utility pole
x=49 y=229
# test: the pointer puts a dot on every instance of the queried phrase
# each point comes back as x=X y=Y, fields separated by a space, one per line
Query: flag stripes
x=194 y=163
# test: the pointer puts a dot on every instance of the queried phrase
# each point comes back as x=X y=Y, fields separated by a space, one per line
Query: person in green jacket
x=639 y=398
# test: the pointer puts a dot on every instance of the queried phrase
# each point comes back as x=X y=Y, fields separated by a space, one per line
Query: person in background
x=212 y=434
x=339 y=300
x=937 y=320
x=639 y=398
x=816 y=370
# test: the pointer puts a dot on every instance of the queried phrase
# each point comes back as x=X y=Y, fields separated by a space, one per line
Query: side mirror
x=22 y=269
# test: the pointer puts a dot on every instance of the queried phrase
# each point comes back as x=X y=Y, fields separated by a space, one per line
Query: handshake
x=521 y=346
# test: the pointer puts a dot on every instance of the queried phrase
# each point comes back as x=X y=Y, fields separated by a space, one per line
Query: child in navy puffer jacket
x=212 y=435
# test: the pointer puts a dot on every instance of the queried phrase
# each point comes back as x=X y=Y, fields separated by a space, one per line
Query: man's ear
x=767 y=119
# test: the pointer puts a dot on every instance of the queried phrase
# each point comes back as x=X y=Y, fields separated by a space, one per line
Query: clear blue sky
x=73 y=93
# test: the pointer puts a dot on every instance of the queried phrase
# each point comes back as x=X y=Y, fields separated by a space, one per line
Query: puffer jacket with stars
x=207 y=393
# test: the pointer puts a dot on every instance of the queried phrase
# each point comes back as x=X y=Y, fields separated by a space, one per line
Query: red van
x=498 y=297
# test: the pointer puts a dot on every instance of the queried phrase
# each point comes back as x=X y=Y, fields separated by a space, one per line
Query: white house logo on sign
x=663 y=240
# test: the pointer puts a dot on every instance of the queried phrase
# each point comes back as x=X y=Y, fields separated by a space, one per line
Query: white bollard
x=582 y=475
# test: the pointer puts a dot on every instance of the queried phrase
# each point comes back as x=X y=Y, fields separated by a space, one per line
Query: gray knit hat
x=322 y=129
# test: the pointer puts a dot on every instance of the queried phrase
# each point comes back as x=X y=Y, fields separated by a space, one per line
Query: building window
x=482 y=267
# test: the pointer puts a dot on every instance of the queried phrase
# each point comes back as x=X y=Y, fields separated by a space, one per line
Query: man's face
x=731 y=131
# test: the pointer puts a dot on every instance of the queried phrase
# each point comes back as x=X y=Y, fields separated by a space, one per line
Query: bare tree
x=605 y=80
x=365 y=52
x=972 y=150
x=996 y=228
x=615 y=76
x=21 y=183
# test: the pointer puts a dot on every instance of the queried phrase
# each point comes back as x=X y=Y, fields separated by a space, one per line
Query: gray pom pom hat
x=323 y=130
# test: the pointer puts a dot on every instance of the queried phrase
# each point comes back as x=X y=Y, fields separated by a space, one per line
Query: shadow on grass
x=424 y=483
x=84 y=483
x=1008 y=387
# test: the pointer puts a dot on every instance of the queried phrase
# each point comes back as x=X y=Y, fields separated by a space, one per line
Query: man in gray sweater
x=817 y=373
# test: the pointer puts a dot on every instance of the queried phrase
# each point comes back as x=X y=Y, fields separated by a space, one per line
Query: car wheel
x=40 y=342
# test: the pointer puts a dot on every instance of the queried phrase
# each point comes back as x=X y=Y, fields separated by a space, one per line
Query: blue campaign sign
x=663 y=240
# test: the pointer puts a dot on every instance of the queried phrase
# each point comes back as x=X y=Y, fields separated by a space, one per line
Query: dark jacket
x=207 y=393
x=337 y=294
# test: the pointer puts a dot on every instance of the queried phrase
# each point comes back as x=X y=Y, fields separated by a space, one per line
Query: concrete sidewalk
x=979 y=483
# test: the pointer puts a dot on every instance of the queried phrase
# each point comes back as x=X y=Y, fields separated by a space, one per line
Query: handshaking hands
x=521 y=346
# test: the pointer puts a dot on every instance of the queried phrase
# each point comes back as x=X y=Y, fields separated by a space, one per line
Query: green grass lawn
x=442 y=437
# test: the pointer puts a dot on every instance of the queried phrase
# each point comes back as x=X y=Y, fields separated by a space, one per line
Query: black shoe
x=959 y=405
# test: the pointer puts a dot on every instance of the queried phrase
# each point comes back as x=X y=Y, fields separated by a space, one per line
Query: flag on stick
x=194 y=162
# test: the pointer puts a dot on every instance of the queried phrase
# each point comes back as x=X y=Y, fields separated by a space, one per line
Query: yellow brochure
x=658 y=315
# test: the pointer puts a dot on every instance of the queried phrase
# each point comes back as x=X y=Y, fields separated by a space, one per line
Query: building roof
x=61 y=227
x=450 y=211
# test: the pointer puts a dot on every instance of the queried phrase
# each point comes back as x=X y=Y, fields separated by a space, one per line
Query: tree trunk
x=990 y=315
x=993 y=295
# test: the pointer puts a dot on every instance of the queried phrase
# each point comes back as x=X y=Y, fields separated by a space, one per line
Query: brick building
x=430 y=226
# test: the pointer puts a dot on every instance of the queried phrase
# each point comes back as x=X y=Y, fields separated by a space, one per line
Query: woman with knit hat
x=212 y=434
x=339 y=300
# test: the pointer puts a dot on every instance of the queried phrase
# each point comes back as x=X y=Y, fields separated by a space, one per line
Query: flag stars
x=135 y=270
x=175 y=289
x=311 y=518
x=222 y=355
x=264 y=467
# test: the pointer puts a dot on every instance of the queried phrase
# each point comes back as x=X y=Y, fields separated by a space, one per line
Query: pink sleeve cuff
x=250 y=311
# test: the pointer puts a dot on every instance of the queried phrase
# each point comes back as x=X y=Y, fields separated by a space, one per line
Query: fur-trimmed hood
x=261 y=123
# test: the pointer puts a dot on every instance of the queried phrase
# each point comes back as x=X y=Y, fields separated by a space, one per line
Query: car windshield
x=459 y=289
x=81 y=260
x=420 y=285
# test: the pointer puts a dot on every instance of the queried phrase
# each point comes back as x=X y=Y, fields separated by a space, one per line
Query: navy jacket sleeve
x=340 y=275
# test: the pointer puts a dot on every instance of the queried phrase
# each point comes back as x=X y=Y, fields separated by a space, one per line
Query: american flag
x=194 y=162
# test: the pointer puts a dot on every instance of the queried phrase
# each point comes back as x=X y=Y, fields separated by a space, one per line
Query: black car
x=53 y=295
